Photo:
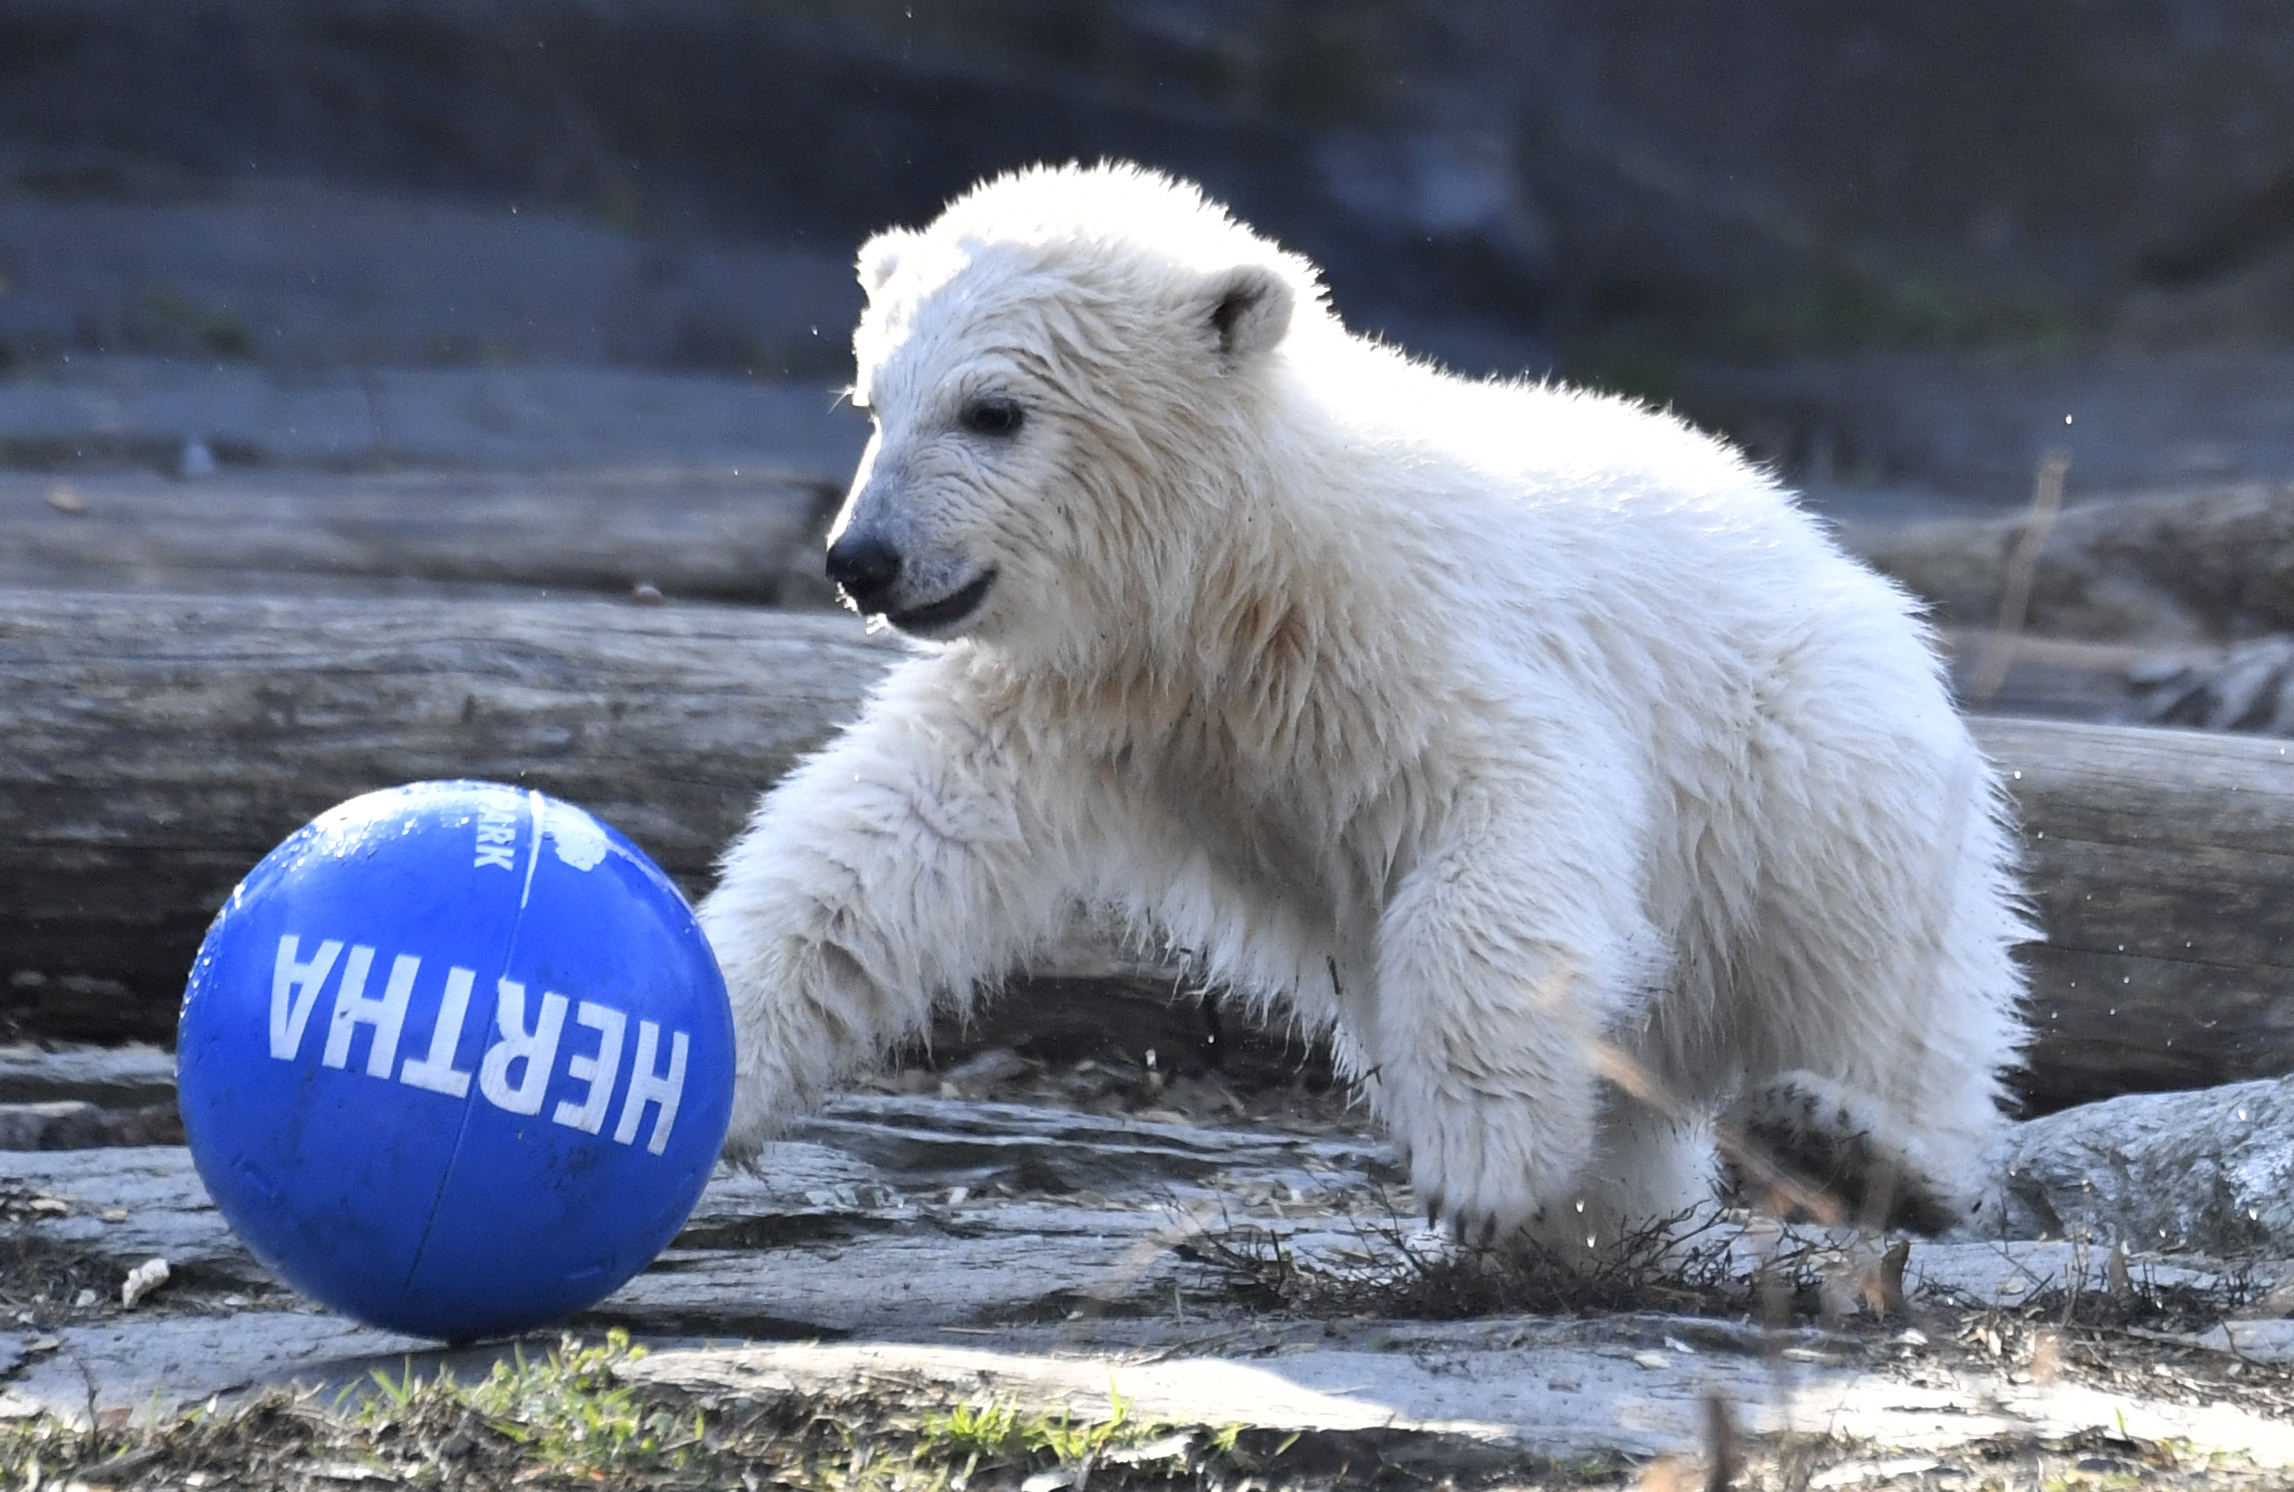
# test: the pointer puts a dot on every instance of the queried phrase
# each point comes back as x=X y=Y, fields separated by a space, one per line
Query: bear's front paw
x=1575 y=1187
x=1484 y=1170
x=755 y=1123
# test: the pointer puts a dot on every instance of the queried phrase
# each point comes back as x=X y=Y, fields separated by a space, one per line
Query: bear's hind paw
x=1838 y=1156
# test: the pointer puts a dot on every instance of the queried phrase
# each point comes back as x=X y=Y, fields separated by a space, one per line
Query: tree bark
x=693 y=535
x=159 y=745
x=2161 y=865
x=2167 y=569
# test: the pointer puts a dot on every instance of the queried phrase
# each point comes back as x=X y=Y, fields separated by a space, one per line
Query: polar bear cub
x=1528 y=742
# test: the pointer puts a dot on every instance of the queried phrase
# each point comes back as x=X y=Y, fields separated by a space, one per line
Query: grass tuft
x=564 y=1419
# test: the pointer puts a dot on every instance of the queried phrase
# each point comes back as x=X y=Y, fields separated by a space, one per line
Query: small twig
x=93 y=1440
x=2166 y=1338
x=1722 y=1457
x=2022 y=561
x=1199 y=1344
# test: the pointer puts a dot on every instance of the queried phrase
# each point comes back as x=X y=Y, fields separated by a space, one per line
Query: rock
x=2249 y=689
x=2256 y=1341
x=2006 y=1272
x=1185 y=1391
x=946 y=1142
x=125 y=1076
x=152 y=1367
x=141 y=1281
x=973 y=1076
x=2210 y=1170
x=319 y=274
x=1557 y=1388
x=64 y=1124
x=958 y=1250
x=150 y=1124
x=163 y=1209
x=75 y=1124
x=845 y=1226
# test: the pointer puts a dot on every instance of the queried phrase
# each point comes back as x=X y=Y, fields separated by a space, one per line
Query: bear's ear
x=880 y=256
x=1248 y=310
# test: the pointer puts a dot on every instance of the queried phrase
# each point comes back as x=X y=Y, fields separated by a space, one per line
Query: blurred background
x=362 y=361
x=1891 y=248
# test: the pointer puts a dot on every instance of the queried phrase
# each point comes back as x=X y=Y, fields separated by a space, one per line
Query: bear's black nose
x=865 y=566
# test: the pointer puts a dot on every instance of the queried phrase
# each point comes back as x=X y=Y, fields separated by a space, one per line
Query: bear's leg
x=920 y=855
x=1880 y=1166
x=1647 y=1170
x=1874 y=1001
x=1884 y=1090
x=1491 y=1097
x=1501 y=966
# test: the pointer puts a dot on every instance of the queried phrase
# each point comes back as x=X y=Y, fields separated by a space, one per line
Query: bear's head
x=1066 y=372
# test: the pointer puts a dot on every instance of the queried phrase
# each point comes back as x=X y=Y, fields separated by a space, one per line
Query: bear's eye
x=991 y=414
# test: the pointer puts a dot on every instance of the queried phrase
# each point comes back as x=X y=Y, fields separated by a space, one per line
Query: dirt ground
x=1258 y=1289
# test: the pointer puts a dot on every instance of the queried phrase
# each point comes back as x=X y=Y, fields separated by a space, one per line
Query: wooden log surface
x=158 y=745
x=715 y=534
x=2165 y=568
x=2161 y=863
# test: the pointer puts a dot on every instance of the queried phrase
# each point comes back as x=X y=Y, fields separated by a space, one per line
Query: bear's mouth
x=938 y=616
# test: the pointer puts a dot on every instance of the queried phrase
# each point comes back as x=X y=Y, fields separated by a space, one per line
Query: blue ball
x=455 y=1060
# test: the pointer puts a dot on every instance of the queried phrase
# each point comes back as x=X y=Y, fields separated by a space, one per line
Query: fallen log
x=2161 y=865
x=2058 y=678
x=714 y=534
x=2165 y=568
x=160 y=744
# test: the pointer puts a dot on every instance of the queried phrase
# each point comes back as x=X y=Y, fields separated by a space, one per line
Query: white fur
x=1502 y=730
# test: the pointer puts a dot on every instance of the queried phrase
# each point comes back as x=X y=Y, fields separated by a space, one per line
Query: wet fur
x=1501 y=730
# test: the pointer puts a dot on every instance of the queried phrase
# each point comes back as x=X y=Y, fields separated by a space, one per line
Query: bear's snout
x=864 y=565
